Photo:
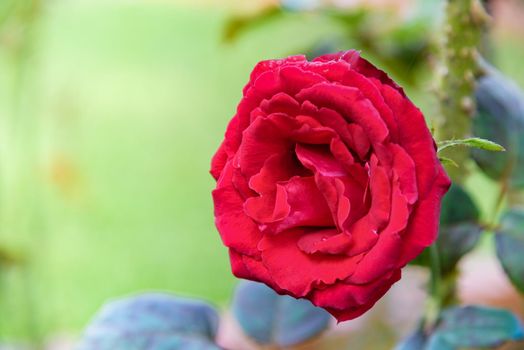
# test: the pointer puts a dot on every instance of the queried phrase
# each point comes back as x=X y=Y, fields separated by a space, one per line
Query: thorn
x=467 y=105
x=469 y=77
x=467 y=52
x=479 y=14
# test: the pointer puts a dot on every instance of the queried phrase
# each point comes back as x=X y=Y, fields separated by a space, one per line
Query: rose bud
x=328 y=182
x=500 y=118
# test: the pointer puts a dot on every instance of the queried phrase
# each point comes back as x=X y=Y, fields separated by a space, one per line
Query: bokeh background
x=109 y=114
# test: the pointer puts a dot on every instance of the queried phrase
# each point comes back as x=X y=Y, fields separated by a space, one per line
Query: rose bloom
x=328 y=182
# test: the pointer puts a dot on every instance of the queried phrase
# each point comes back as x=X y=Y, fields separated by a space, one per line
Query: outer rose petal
x=297 y=272
x=348 y=301
x=423 y=227
x=238 y=267
x=238 y=231
x=415 y=138
x=258 y=272
x=219 y=161
x=362 y=66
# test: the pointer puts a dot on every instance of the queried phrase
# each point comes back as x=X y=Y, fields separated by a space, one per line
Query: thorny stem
x=463 y=30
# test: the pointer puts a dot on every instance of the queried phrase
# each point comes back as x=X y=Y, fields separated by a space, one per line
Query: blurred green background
x=110 y=112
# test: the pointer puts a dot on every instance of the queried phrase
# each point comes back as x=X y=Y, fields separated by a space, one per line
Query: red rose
x=328 y=182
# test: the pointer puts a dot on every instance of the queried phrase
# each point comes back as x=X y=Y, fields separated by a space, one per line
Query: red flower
x=328 y=182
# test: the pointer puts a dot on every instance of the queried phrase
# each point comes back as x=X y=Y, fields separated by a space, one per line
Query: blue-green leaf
x=152 y=321
x=509 y=241
x=474 y=326
x=414 y=341
x=459 y=230
x=269 y=318
x=458 y=207
x=454 y=242
x=438 y=342
x=500 y=118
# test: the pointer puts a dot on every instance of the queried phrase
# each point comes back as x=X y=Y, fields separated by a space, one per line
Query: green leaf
x=509 y=241
x=474 y=142
x=152 y=321
x=281 y=320
x=474 y=326
x=448 y=161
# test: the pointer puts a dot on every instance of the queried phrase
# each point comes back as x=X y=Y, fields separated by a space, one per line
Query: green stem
x=434 y=303
x=465 y=20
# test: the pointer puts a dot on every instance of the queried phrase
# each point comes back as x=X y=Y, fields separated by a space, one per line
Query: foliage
x=473 y=142
x=467 y=327
x=269 y=318
x=510 y=245
x=152 y=321
x=500 y=118
x=459 y=232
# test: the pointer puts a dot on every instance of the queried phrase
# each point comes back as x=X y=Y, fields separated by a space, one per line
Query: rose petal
x=385 y=254
x=351 y=56
x=295 y=78
x=342 y=155
x=268 y=65
x=372 y=93
x=258 y=272
x=237 y=230
x=281 y=102
x=358 y=141
x=298 y=272
x=351 y=104
x=319 y=159
x=238 y=267
x=328 y=241
x=415 y=138
x=423 y=227
x=380 y=188
x=307 y=206
x=404 y=167
x=261 y=140
x=218 y=162
x=268 y=208
x=278 y=167
x=346 y=302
